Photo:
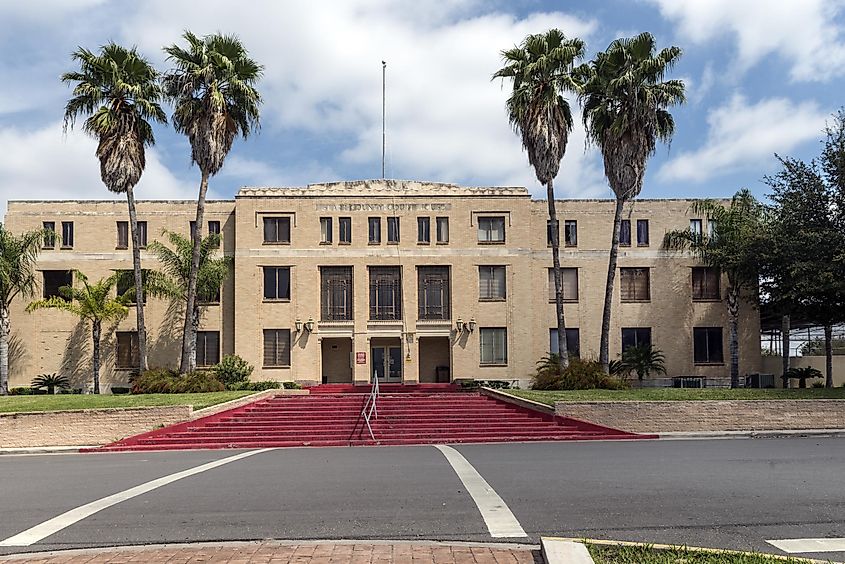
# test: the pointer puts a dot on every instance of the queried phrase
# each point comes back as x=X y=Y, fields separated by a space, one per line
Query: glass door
x=378 y=364
x=394 y=364
x=387 y=364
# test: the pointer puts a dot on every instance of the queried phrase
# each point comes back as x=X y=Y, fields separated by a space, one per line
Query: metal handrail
x=370 y=410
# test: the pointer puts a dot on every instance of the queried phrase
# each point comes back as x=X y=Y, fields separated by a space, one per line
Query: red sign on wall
x=360 y=358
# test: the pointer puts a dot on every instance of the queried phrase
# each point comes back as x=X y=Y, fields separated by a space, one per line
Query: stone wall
x=85 y=426
x=693 y=416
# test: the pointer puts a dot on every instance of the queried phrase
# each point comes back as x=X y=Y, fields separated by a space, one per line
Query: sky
x=762 y=77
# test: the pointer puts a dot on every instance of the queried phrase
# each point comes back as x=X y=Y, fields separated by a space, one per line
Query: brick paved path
x=270 y=552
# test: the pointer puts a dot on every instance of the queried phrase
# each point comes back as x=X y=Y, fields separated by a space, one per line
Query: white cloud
x=743 y=136
x=45 y=164
x=807 y=33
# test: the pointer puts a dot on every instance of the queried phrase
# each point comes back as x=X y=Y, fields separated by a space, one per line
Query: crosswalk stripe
x=795 y=546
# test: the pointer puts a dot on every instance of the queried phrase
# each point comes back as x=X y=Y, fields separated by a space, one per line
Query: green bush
x=23 y=391
x=256 y=386
x=50 y=382
x=581 y=374
x=232 y=371
x=818 y=384
x=291 y=386
x=197 y=382
x=166 y=381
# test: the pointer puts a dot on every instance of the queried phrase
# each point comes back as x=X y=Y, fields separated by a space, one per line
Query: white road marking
x=794 y=546
x=496 y=514
x=56 y=524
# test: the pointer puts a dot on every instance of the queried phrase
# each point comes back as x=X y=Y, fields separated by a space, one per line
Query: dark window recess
x=49 y=228
x=549 y=234
x=491 y=229
x=214 y=228
x=634 y=284
x=276 y=347
x=276 y=283
x=642 y=232
x=192 y=230
x=344 y=226
x=706 y=283
x=393 y=233
x=208 y=348
x=492 y=285
x=276 y=230
x=55 y=279
x=434 y=295
x=67 y=234
x=442 y=229
x=385 y=293
x=570 y=233
x=122 y=234
x=635 y=337
x=424 y=230
x=374 y=230
x=336 y=293
x=142 y=234
x=573 y=341
x=625 y=233
x=326 y=230
x=126 y=283
x=707 y=345
x=127 y=355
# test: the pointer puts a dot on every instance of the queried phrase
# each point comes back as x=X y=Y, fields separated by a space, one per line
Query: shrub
x=119 y=390
x=818 y=384
x=198 y=382
x=581 y=374
x=802 y=375
x=495 y=384
x=291 y=386
x=166 y=381
x=470 y=384
x=256 y=386
x=232 y=371
x=21 y=391
x=50 y=382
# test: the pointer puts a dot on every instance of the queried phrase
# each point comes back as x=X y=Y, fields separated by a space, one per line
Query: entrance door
x=387 y=363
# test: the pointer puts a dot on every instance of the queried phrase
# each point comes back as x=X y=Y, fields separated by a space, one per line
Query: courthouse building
x=400 y=280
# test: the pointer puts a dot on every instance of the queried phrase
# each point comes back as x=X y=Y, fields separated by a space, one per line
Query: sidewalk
x=267 y=552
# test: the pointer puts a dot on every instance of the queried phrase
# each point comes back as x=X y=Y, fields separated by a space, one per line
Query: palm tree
x=212 y=89
x=91 y=303
x=625 y=99
x=643 y=360
x=733 y=247
x=18 y=255
x=118 y=90
x=172 y=281
x=541 y=69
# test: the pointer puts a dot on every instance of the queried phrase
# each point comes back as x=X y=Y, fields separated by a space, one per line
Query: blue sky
x=762 y=77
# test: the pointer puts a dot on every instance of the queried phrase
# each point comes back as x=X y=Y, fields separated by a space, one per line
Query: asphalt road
x=716 y=493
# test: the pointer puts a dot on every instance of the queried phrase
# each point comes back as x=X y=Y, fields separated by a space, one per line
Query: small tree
x=644 y=360
x=92 y=303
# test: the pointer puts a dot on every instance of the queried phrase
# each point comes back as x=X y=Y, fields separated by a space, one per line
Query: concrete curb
x=43 y=450
x=557 y=551
x=768 y=434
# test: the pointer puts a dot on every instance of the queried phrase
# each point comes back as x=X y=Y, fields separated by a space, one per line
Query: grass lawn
x=91 y=401
x=675 y=394
x=606 y=554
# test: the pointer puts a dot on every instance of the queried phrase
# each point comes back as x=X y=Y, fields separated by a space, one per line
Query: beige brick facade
x=343 y=350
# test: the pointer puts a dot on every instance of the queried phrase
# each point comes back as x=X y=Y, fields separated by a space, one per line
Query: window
x=634 y=284
x=336 y=293
x=442 y=230
x=276 y=282
x=393 y=230
x=208 y=348
x=695 y=227
x=142 y=234
x=326 y=230
x=573 y=341
x=374 y=228
x=642 y=233
x=385 y=293
x=707 y=345
x=344 y=226
x=433 y=290
x=276 y=230
x=491 y=283
x=711 y=228
x=625 y=233
x=122 y=234
x=276 y=347
x=549 y=235
x=55 y=279
x=126 y=283
x=49 y=241
x=67 y=234
x=706 y=283
x=570 y=233
x=192 y=230
x=127 y=355
x=214 y=228
x=494 y=345
x=635 y=337
x=424 y=230
x=491 y=229
x=569 y=283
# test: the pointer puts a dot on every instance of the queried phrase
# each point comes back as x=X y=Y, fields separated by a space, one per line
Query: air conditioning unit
x=760 y=381
x=687 y=382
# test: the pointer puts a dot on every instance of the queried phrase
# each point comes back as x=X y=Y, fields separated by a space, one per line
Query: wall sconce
x=471 y=325
x=298 y=325
x=459 y=325
x=309 y=325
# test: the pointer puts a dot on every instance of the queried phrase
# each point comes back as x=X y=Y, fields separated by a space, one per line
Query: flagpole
x=383 y=113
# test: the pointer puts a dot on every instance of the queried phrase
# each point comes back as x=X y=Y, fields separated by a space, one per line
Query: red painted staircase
x=404 y=418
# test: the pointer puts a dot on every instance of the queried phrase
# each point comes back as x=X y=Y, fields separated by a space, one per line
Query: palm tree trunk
x=139 y=282
x=95 y=335
x=784 y=336
x=5 y=332
x=189 y=336
x=828 y=356
x=733 y=322
x=563 y=349
x=604 y=346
